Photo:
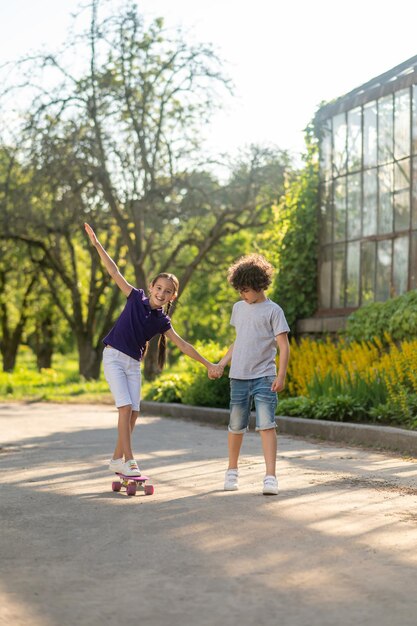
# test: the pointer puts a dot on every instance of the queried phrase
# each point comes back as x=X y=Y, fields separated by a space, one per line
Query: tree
x=17 y=281
x=120 y=147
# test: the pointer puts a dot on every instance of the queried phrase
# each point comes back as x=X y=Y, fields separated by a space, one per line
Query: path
x=336 y=547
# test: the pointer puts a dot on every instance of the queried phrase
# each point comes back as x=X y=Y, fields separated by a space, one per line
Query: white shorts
x=123 y=376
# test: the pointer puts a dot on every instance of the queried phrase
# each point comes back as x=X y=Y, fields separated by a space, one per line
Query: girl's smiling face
x=161 y=292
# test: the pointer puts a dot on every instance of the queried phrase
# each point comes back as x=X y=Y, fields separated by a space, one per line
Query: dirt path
x=337 y=547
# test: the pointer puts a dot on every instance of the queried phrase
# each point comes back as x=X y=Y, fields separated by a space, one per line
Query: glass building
x=368 y=193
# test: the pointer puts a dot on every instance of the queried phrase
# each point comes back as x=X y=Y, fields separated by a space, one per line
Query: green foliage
x=206 y=392
x=167 y=388
x=295 y=286
x=188 y=382
x=396 y=318
x=367 y=392
x=296 y=407
x=394 y=413
x=338 y=408
x=61 y=383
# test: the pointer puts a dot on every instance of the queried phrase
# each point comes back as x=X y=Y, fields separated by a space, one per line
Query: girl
x=141 y=319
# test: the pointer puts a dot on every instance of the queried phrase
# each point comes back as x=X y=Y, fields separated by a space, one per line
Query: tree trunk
x=89 y=359
x=9 y=354
x=42 y=344
x=151 y=369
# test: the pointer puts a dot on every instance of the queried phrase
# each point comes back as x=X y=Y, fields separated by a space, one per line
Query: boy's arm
x=225 y=360
x=284 y=355
x=108 y=262
x=190 y=351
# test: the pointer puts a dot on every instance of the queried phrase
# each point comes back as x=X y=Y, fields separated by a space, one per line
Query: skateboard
x=132 y=484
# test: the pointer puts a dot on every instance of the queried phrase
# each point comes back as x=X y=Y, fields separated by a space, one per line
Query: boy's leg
x=266 y=404
x=238 y=423
x=234 y=444
x=269 y=447
x=240 y=401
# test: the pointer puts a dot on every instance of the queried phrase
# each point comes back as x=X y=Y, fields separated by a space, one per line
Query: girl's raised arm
x=108 y=262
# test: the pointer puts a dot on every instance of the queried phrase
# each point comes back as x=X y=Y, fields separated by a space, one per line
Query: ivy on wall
x=295 y=284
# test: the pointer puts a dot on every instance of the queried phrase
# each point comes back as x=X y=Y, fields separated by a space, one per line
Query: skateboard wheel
x=131 y=490
x=116 y=486
x=149 y=490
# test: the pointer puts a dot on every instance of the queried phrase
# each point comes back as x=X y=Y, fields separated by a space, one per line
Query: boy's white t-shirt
x=255 y=348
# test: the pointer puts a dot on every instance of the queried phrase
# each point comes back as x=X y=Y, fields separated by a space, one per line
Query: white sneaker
x=130 y=468
x=231 y=480
x=116 y=465
x=270 y=486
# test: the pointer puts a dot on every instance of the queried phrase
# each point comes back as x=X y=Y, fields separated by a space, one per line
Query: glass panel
x=370 y=189
x=326 y=278
x=368 y=250
x=339 y=144
x=413 y=261
x=326 y=214
x=385 y=130
x=385 y=224
x=414 y=120
x=383 y=270
x=352 y=274
x=414 y=196
x=326 y=150
x=339 y=276
x=340 y=209
x=402 y=123
x=400 y=265
x=354 y=139
x=354 y=206
x=402 y=195
x=369 y=135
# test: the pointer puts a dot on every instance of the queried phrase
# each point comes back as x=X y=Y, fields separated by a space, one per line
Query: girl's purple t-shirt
x=136 y=325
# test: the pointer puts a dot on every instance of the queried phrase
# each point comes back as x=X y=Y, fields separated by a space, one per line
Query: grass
x=61 y=383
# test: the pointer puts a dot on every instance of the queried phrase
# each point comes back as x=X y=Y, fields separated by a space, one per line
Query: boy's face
x=251 y=296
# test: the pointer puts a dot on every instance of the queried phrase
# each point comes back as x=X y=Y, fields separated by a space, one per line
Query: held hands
x=90 y=232
x=215 y=371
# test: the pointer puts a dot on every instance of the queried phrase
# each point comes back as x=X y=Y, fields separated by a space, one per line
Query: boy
x=261 y=327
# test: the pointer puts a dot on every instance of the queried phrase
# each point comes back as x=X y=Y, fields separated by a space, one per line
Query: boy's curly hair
x=252 y=271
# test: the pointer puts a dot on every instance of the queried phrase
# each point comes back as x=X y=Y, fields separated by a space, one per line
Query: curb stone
x=397 y=440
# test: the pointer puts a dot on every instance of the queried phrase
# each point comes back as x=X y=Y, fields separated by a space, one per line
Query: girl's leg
x=269 y=447
x=133 y=418
x=234 y=441
x=123 y=445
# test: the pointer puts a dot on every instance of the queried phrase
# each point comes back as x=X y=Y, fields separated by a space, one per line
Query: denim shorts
x=242 y=393
x=123 y=376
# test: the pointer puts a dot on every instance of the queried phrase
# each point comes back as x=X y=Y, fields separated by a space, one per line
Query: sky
x=285 y=57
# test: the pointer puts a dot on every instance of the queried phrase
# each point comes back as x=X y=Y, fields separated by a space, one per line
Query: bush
x=338 y=408
x=167 y=388
x=296 y=407
x=205 y=392
x=396 y=318
x=188 y=382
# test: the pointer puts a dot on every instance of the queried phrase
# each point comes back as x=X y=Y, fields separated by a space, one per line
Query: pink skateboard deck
x=132 y=484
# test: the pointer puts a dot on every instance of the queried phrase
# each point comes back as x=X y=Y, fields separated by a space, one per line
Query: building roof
x=398 y=77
